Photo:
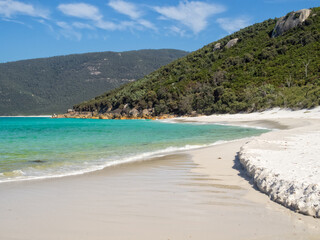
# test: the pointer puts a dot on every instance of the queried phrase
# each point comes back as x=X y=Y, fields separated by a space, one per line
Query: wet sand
x=170 y=197
x=199 y=194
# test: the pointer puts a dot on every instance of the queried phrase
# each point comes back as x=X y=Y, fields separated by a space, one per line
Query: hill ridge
x=51 y=85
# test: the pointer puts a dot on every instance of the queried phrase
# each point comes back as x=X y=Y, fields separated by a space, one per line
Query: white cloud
x=125 y=8
x=233 y=24
x=146 y=24
x=132 y=11
x=68 y=32
x=63 y=25
x=105 y=25
x=89 y=12
x=10 y=8
x=176 y=30
x=81 y=10
x=48 y=25
x=15 y=21
x=82 y=25
x=192 y=14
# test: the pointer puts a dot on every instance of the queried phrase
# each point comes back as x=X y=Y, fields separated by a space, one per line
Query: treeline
x=51 y=85
x=257 y=73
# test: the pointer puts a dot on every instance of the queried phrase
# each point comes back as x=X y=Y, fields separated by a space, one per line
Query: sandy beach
x=284 y=164
x=199 y=194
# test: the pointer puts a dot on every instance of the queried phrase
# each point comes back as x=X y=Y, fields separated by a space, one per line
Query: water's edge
x=124 y=158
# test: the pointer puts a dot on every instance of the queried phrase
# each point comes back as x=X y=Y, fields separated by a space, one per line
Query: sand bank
x=284 y=164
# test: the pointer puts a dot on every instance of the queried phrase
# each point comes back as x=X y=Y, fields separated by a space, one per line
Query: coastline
x=193 y=194
x=283 y=163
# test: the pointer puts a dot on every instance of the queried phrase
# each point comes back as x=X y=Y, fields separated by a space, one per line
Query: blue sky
x=35 y=28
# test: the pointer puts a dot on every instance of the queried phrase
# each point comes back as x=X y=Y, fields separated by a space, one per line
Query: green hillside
x=51 y=85
x=258 y=72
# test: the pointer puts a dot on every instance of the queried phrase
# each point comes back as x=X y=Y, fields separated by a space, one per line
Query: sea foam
x=105 y=163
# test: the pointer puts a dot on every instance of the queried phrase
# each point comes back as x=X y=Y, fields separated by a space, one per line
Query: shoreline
x=147 y=153
x=297 y=190
x=194 y=194
x=170 y=197
x=143 y=157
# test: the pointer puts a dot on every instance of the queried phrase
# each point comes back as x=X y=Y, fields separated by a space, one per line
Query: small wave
x=234 y=124
x=15 y=173
x=19 y=175
x=246 y=126
x=178 y=121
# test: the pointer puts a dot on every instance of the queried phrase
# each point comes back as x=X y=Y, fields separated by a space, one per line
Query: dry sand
x=199 y=194
x=283 y=164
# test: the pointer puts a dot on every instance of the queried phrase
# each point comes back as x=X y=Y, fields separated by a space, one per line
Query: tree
x=306 y=65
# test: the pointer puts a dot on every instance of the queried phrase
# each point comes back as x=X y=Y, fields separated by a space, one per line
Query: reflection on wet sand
x=162 y=198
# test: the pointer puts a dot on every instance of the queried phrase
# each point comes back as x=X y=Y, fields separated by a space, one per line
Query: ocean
x=38 y=148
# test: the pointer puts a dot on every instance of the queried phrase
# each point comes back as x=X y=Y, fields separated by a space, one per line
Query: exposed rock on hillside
x=217 y=46
x=289 y=21
x=134 y=113
x=232 y=42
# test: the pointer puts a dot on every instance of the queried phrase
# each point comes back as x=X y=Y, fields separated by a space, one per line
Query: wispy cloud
x=233 y=24
x=81 y=25
x=87 y=12
x=146 y=23
x=177 y=31
x=192 y=14
x=75 y=20
x=106 y=25
x=132 y=11
x=68 y=32
x=15 y=21
x=126 y=8
x=81 y=10
x=91 y=18
x=10 y=8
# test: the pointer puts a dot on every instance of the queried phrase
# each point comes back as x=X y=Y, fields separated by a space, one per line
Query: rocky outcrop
x=147 y=112
x=217 y=46
x=290 y=21
x=134 y=113
x=124 y=113
x=232 y=42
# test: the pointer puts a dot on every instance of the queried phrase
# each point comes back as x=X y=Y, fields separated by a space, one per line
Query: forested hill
x=51 y=85
x=268 y=64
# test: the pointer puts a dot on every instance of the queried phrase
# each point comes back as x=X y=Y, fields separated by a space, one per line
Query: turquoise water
x=34 y=148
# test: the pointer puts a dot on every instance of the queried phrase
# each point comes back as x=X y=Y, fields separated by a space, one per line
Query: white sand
x=201 y=194
x=284 y=164
x=166 y=198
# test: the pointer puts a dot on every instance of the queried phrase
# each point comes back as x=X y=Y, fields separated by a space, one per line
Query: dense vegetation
x=259 y=72
x=51 y=85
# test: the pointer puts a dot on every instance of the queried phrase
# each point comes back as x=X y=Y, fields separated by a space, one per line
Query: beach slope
x=196 y=194
x=283 y=163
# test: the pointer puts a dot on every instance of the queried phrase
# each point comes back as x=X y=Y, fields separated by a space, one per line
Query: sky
x=36 y=29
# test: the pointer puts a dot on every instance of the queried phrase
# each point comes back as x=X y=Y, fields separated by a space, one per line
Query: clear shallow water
x=32 y=148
